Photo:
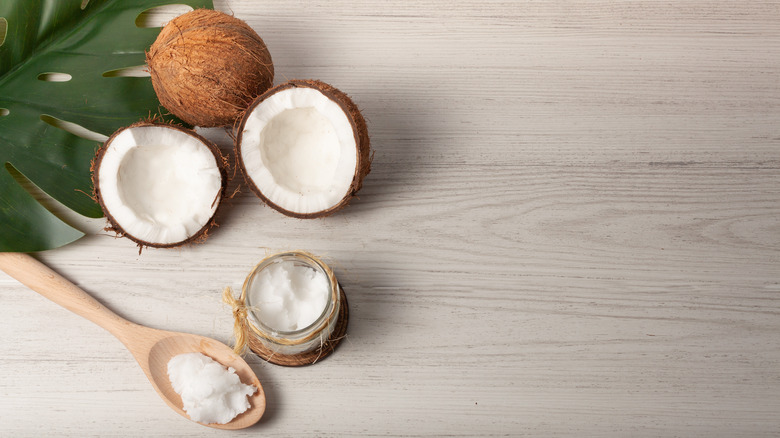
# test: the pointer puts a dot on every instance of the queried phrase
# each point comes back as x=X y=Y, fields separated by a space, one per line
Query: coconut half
x=159 y=185
x=303 y=148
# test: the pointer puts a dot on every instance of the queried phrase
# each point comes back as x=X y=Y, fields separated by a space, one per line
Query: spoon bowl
x=151 y=348
x=173 y=344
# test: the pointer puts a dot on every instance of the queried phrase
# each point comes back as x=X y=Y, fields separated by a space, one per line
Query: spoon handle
x=55 y=287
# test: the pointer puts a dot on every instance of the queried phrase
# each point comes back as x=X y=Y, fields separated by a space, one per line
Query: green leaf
x=44 y=37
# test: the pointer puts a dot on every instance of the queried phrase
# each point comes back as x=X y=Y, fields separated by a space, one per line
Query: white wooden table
x=572 y=227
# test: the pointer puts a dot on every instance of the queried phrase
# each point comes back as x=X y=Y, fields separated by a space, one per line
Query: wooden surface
x=572 y=228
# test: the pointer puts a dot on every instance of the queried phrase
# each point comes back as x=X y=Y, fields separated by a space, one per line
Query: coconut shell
x=207 y=67
x=359 y=129
x=114 y=226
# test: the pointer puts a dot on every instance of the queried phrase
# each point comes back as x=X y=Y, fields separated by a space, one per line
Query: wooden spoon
x=152 y=348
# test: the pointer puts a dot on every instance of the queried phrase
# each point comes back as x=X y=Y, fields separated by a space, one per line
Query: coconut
x=207 y=67
x=159 y=185
x=303 y=148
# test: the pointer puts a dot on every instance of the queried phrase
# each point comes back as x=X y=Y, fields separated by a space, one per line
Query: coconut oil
x=209 y=392
x=288 y=295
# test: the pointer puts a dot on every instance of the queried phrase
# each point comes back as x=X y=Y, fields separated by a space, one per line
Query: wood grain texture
x=571 y=227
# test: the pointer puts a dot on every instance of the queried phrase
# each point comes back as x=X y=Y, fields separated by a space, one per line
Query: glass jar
x=306 y=344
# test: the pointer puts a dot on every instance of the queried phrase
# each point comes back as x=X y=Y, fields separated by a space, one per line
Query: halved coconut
x=303 y=148
x=159 y=185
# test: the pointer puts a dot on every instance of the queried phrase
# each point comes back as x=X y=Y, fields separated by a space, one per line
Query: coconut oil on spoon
x=152 y=349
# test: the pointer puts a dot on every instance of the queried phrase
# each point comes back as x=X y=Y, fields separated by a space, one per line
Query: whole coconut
x=207 y=67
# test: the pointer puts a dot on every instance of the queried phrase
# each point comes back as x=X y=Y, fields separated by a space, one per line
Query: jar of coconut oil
x=292 y=310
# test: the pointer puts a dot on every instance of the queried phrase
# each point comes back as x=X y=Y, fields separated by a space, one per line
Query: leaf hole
x=26 y=184
x=54 y=77
x=136 y=71
x=159 y=16
x=73 y=128
x=4 y=112
x=3 y=30
x=84 y=4
x=55 y=207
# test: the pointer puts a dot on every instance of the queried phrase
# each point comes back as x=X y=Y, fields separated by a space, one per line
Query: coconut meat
x=298 y=148
x=159 y=184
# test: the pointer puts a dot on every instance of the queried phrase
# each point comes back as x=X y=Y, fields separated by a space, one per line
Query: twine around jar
x=240 y=323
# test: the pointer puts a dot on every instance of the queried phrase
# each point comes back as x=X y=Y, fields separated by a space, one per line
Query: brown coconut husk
x=359 y=128
x=113 y=225
x=207 y=67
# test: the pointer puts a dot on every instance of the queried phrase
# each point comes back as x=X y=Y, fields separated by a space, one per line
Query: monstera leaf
x=58 y=98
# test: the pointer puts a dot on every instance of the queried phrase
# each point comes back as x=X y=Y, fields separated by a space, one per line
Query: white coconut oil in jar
x=288 y=295
x=293 y=305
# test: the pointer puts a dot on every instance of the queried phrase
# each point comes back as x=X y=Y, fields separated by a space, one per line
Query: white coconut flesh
x=298 y=147
x=159 y=184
